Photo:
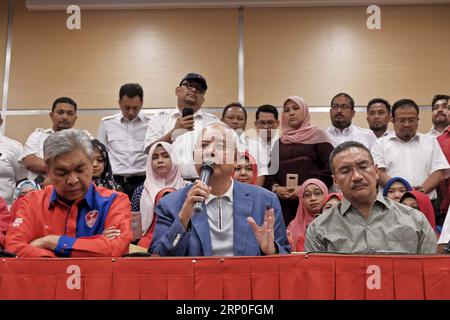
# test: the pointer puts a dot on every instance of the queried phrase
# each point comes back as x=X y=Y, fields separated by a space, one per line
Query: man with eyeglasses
x=413 y=156
x=267 y=124
x=123 y=134
x=235 y=116
x=342 y=112
x=365 y=222
x=182 y=132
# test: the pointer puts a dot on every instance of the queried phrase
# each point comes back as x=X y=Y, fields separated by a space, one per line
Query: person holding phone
x=303 y=152
x=182 y=125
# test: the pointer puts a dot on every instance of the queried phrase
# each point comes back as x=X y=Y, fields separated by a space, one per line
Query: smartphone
x=291 y=180
x=187 y=112
x=136 y=225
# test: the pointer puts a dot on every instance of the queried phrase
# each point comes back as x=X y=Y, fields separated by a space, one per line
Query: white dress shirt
x=125 y=142
x=183 y=146
x=414 y=160
x=256 y=149
x=434 y=133
x=351 y=133
x=220 y=220
x=445 y=233
x=11 y=170
x=35 y=146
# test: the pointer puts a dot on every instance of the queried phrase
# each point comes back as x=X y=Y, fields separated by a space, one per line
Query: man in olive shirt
x=364 y=221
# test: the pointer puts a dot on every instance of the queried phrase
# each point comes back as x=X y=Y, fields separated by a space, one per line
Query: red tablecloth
x=279 y=277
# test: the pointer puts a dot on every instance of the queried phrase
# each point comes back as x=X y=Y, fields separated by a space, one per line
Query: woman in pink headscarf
x=304 y=152
x=161 y=173
x=311 y=195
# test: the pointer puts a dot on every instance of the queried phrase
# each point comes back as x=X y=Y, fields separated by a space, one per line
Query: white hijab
x=154 y=183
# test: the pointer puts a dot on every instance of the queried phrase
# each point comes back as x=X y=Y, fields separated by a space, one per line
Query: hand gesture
x=265 y=233
x=186 y=123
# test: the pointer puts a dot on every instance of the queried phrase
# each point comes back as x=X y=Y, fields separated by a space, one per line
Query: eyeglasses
x=191 y=86
x=404 y=121
x=268 y=123
x=342 y=106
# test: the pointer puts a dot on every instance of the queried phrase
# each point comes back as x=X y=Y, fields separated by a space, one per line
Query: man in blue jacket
x=236 y=220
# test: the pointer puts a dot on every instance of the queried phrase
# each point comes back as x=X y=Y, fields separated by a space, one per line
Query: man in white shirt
x=63 y=116
x=11 y=171
x=378 y=116
x=416 y=157
x=123 y=134
x=235 y=116
x=182 y=132
x=341 y=114
x=439 y=116
x=267 y=124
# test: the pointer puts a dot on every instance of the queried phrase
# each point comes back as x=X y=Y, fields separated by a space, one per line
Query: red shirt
x=41 y=213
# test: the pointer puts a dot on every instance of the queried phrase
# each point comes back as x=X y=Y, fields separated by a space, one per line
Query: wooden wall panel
x=317 y=52
x=153 y=47
x=3 y=30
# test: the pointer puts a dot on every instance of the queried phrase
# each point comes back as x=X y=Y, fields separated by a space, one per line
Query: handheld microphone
x=206 y=171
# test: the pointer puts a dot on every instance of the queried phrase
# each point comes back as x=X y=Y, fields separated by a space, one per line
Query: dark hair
x=439 y=97
x=64 y=100
x=345 y=146
x=342 y=94
x=234 y=104
x=379 y=100
x=267 y=108
x=131 y=90
x=404 y=103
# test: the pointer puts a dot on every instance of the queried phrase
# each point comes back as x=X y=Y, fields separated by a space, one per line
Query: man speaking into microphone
x=235 y=219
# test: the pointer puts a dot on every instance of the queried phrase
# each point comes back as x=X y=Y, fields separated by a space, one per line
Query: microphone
x=206 y=171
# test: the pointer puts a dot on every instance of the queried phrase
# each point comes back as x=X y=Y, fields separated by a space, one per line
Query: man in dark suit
x=236 y=220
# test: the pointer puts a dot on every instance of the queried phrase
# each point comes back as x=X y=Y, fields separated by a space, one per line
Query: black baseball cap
x=195 y=77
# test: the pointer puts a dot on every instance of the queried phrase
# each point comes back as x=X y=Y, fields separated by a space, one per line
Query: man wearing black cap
x=181 y=132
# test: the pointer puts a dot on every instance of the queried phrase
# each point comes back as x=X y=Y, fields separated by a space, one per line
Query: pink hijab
x=153 y=184
x=297 y=227
x=307 y=133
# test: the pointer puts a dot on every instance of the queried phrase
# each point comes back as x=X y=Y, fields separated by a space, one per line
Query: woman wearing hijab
x=331 y=200
x=245 y=169
x=102 y=173
x=311 y=195
x=24 y=187
x=304 y=151
x=395 y=188
x=422 y=203
x=161 y=173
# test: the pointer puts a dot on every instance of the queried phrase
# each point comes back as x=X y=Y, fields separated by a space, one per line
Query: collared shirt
x=220 y=219
x=11 y=170
x=125 y=142
x=388 y=132
x=391 y=228
x=434 y=133
x=414 y=160
x=183 y=144
x=35 y=146
x=444 y=238
x=256 y=150
x=80 y=225
x=351 y=133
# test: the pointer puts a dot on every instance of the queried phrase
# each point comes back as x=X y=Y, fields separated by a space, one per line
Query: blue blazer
x=171 y=239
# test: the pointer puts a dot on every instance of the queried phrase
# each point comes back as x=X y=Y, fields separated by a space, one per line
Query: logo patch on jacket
x=91 y=218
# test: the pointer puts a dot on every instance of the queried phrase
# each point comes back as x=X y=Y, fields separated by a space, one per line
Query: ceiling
x=166 y=4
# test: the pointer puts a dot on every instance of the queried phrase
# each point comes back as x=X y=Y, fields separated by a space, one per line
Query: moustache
x=357 y=185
